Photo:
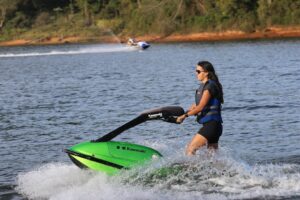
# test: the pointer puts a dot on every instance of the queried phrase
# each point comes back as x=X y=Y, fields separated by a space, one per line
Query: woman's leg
x=197 y=142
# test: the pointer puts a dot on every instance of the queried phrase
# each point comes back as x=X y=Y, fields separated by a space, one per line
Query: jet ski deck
x=111 y=156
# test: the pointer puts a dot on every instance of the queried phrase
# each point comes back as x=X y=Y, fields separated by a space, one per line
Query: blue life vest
x=212 y=111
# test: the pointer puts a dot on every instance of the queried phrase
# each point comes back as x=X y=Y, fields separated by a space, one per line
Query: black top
x=213 y=89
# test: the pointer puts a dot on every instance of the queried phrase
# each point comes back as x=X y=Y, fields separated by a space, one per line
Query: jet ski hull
x=110 y=157
x=144 y=46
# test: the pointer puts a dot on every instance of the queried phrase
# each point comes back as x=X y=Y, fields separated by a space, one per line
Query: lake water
x=52 y=97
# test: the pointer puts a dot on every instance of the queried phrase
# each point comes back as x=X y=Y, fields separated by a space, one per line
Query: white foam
x=60 y=181
x=204 y=176
x=99 y=49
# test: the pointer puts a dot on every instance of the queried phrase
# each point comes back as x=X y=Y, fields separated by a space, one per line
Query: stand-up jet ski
x=109 y=156
x=140 y=45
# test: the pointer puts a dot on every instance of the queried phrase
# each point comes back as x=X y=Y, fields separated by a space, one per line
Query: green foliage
x=42 y=19
x=20 y=20
x=139 y=17
x=279 y=12
x=111 y=10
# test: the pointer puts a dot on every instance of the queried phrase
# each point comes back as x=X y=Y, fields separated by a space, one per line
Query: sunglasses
x=199 y=72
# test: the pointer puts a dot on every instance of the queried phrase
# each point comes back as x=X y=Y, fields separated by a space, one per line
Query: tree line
x=140 y=17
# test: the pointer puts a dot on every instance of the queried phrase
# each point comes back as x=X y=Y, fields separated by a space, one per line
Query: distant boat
x=141 y=44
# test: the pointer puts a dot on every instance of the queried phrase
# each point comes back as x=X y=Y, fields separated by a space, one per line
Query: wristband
x=186 y=115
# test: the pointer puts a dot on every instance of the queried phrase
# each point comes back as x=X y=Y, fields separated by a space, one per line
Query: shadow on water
x=293 y=159
x=256 y=107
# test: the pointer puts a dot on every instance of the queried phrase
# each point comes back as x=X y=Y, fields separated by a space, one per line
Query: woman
x=208 y=97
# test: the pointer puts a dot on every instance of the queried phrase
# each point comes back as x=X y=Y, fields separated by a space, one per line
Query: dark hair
x=208 y=67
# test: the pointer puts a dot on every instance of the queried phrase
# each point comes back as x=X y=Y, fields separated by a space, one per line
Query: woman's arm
x=198 y=108
x=192 y=107
x=203 y=102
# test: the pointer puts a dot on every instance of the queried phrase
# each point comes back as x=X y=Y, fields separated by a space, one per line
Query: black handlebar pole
x=109 y=136
x=166 y=113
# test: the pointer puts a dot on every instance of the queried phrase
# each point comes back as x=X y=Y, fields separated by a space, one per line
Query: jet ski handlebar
x=167 y=114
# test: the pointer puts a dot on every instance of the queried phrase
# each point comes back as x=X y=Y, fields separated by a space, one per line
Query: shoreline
x=269 y=33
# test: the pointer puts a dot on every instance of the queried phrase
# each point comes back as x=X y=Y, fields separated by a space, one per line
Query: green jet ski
x=111 y=156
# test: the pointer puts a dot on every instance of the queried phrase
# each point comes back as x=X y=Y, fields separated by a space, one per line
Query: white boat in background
x=141 y=44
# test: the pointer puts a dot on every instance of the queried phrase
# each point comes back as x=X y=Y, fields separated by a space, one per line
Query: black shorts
x=212 y=131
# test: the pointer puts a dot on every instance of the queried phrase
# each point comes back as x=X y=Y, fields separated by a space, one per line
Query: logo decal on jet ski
x=152 y=116
x=131 y=149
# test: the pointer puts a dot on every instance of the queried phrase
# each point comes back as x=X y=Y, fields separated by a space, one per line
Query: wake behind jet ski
x=141 y=44
x=109 y=156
